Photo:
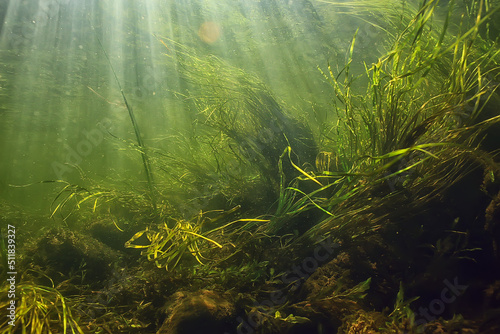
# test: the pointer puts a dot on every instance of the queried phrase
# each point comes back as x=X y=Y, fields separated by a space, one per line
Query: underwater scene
x=249 y=166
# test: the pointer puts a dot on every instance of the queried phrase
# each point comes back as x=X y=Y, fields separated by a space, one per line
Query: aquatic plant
x=167 y=245
x=363 y=7
x=414 y=130
x=204 y=172
x=413 y=90
x=401 y=316
x=141 y=147
x=39 y=309
x=241 y=110
x=73 y=198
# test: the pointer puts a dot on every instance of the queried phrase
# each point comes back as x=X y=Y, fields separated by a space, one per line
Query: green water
x=171 y=153
x=57 y=84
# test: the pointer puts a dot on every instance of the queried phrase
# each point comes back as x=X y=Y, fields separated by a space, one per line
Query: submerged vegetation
x=39 y=309
x=401 y=176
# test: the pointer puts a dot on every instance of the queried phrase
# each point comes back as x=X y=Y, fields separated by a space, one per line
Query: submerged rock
x=204 y=312
x=62 y=252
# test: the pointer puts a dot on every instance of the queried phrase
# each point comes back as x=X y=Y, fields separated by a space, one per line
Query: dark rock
x=107 y=233
x=64 y=253
x=200 y=312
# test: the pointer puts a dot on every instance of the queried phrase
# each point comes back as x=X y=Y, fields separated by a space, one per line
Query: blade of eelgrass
x=140 y=143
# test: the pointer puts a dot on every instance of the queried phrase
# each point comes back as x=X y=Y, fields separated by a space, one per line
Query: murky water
x=331 y=152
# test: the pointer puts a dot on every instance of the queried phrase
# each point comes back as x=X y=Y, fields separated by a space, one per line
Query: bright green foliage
x=293 y=319
x=40 y=310
x=402 y=315
x=168 y=245
x=414 y=127
x=249 y=121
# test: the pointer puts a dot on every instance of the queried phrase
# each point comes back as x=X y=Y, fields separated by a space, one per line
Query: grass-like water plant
x=241 y=109
x=39 y=309
x=168 y=243
x=73 y=198
x=414 y=130
x=140 y=142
